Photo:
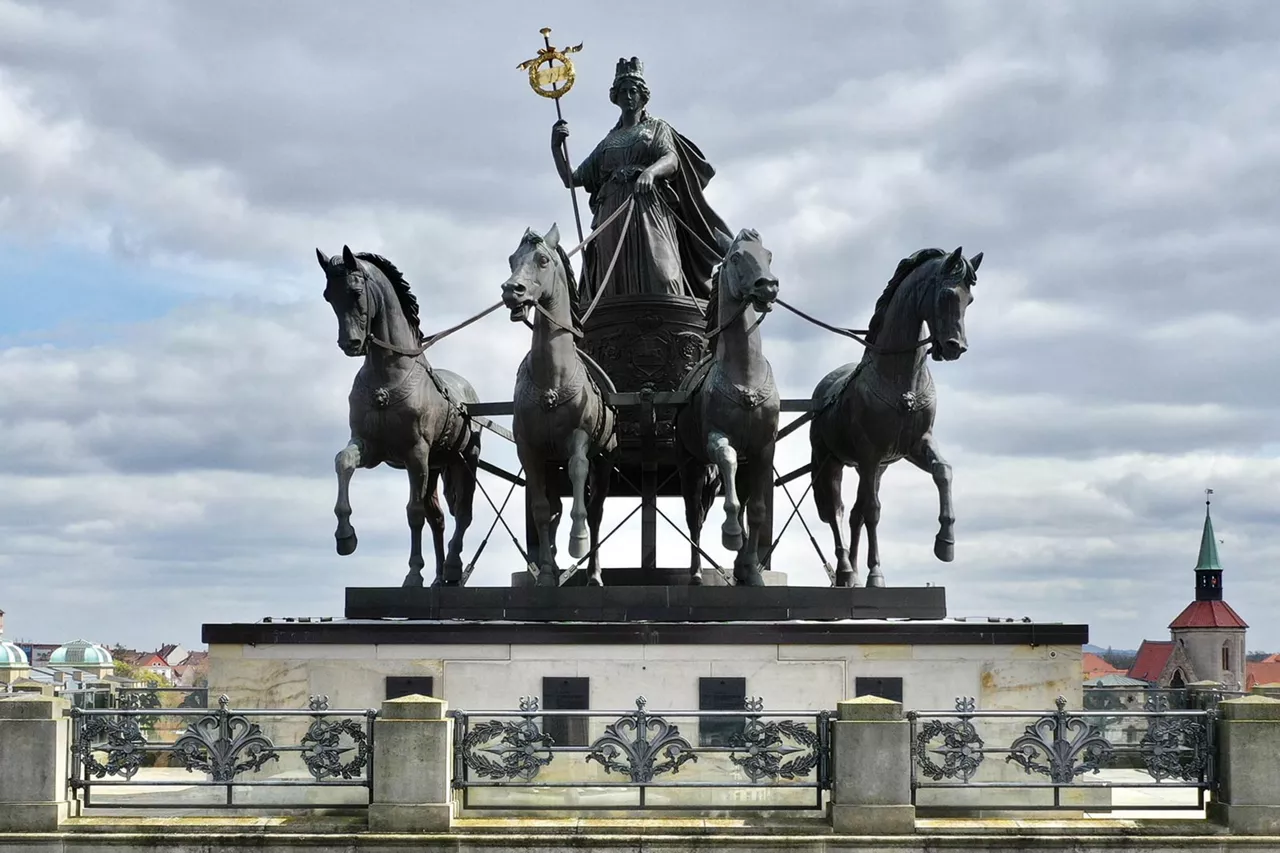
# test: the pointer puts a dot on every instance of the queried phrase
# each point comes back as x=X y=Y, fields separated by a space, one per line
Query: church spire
x=1208 y=569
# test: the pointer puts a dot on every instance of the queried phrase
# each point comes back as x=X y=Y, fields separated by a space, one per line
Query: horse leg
x=693 y=481
x=578 y=468
x=926 y=458
x=721 y=452
x=435 y=520
x=869 y=498
x=462 y=474
x=540 y=515
x=344 y=465
x=601 y=478
x=755 y=485
x=827 y=478
x=416 y=511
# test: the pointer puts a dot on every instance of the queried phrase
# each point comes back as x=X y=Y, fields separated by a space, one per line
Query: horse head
x=952 y=291
x=746 y=273
x=537 y=272
x=346 y=289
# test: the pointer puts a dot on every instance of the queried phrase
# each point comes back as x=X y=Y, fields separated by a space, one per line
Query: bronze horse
x=402 y=411
x=560 y=419
x=731 y=420
x=881 y=410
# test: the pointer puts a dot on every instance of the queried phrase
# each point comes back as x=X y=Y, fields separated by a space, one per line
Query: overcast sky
x=171 y=397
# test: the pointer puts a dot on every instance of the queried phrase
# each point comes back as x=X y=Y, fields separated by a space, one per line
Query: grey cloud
x=1114 y=161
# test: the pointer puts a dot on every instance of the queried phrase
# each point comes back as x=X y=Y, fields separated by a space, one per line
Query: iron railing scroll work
x=642 y=758
x=157 y=766
x=1064 y=749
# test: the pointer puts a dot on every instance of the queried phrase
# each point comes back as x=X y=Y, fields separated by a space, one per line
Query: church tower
x=1208 y=630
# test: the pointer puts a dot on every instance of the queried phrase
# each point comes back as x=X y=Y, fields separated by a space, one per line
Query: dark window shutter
x=410 y=685
x=885 y=688
x=720 y=694
x=566 y=694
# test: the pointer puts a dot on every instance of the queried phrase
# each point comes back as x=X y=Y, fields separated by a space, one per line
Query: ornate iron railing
x=1064 y=749
x=641 y=750
x=1154 y=699
x=219 y=748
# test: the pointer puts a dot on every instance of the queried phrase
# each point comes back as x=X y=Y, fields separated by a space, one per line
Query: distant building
x=1095 y=666
x=83 y=656
x=1206 y=640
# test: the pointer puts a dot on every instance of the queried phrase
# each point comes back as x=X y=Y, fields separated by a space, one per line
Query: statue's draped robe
x=659 y=253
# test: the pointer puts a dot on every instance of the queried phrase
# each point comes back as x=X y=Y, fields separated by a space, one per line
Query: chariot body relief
x=671 y=244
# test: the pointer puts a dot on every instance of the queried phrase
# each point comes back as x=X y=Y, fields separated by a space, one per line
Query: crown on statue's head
x=632 y=68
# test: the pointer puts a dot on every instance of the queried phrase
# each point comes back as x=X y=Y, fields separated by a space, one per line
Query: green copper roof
x=1208 y=545
x=12 y=657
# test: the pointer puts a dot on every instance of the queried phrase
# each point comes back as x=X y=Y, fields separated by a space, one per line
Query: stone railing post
x=871 y=769
x=34 y=752
x=1248 y=797
x=1270 y=690
x=412 y=766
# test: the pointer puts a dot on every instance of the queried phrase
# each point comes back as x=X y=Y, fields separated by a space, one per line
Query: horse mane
x=571 y=282
x=905 y=268
x=408 y=302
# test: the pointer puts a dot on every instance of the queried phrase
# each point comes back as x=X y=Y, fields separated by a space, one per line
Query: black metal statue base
x=646 y=603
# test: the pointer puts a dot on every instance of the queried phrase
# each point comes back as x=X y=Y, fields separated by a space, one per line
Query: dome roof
x=80 y=653
x=12 y=657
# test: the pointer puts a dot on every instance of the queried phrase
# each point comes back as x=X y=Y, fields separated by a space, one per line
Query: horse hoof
x=452 y=572
x=579 y=546
x=548 y=577
x=845 y=579
x=875 y=579
x=413 y=579
x=347 y=544
x=595 y=580
x=695 y=579
x=732 y=540
x=749 y=579
x=944 y=549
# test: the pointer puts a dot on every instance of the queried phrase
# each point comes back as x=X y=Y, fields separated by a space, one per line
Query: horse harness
x=550 y=399
x=744 y=398
x=385 y=396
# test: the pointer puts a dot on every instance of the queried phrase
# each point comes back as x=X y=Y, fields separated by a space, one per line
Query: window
x=412 y=685
x=885 y=688
x=1226 y=657
x=566 y=694
x=721 y=694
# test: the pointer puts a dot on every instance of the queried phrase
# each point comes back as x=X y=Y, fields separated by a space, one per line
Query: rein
x=856 y=333
x=629 y=208
x=414 y=352
x=433 y=339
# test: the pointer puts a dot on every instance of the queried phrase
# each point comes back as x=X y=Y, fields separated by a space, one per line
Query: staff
x=551 y=67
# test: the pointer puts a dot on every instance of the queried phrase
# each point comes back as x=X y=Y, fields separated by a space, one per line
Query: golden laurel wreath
x=549 y=69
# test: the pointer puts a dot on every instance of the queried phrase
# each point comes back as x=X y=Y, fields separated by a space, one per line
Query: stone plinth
x=1248 y=797
x=871 y=765
x=647 y=603
x=412 y=767
x=34 y=734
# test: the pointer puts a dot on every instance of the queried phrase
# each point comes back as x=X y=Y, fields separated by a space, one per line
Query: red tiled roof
x=1095 y=666
x=1208 y=614
x=1261 y=672
x=1152 y=656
